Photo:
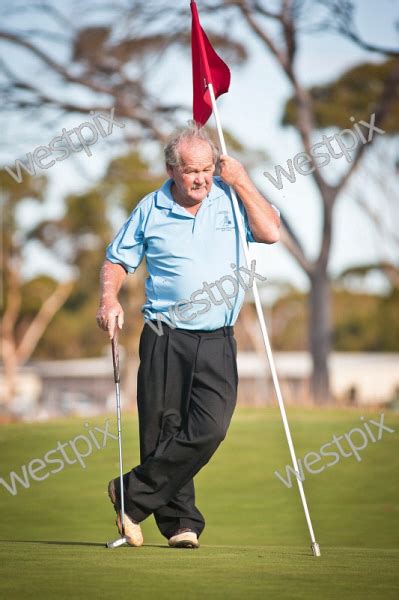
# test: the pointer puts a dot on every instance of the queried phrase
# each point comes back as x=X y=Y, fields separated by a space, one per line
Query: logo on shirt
x=224 y=220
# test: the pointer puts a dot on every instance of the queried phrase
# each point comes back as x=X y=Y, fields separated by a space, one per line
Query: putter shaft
x=115 y=359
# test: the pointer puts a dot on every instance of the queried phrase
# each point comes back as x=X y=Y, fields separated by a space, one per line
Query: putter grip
x=115 y=355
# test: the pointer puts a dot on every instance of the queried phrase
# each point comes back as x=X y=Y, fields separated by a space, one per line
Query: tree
x=361 y=321
x=81 y=66
x=107 y=64
x=364 y=90
x=116 y=65
x=20 y=336
x=287 y=19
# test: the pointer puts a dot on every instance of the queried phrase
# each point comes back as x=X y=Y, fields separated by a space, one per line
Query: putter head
x=120 y=542
x=315 y=549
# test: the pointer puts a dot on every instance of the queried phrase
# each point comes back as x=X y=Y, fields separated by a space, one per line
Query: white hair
x=192 y=132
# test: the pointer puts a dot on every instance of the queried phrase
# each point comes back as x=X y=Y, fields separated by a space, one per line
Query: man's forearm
x=263 y=219
x=112 y=277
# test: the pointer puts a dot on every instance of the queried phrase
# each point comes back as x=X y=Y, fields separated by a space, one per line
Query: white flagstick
x=314 y=546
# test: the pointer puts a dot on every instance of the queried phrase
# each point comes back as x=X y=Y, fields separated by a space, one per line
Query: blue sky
x=252 y=111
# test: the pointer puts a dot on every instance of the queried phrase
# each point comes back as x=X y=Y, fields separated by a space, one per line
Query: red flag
x=208 y=67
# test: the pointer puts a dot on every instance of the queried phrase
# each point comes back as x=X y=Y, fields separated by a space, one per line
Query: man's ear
x=169 y=171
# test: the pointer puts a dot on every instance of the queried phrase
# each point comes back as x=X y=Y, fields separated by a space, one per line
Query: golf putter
x=115 y=359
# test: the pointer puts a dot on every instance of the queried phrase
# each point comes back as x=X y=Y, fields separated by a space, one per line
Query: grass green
x=255 y=544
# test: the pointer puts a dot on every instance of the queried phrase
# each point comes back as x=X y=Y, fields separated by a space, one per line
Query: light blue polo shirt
x=189 y=257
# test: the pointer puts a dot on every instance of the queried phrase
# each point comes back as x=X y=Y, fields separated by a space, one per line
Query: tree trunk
x=15 y=354
x=9 y=351
x=10 y=362
x=320 y=336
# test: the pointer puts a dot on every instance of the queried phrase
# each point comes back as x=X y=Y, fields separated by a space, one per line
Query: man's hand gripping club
x=110 y=313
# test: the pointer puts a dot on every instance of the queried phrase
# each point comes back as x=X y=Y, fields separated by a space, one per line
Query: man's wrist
x=108 y=298
x=243 y=184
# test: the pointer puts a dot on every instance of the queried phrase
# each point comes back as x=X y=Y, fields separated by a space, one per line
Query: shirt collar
x=165 y=199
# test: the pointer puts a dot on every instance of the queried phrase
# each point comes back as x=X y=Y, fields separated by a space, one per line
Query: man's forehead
x=196 y=164
x=196 y=152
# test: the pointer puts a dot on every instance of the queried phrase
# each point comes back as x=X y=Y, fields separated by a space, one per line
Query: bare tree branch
x=294 y=246
x=53 y=64
x=41 y=321
x=122 y=94
x=262 y=34
x=303 y=99
x=13 y=301
x=342 y=21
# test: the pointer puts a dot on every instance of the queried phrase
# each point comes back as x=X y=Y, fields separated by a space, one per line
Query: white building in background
x=356 y=377
x=86 y=387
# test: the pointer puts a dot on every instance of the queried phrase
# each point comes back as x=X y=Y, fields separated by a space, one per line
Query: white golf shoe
x=132 y=530
x=184 y=538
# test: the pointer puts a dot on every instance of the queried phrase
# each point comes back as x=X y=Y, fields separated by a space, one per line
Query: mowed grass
x=255 y=544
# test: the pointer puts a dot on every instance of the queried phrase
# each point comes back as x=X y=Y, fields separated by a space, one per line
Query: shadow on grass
x=56 y=542
x=69 y=543
x=291 y=552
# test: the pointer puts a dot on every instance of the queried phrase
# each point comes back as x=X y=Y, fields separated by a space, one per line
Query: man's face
x=193 y=178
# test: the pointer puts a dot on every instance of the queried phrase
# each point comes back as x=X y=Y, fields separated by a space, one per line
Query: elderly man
x=187 y=378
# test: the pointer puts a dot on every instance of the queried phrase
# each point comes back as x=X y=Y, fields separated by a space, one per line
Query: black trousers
x=186 y=395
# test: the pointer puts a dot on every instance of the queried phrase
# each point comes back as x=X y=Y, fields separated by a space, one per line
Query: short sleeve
x=128 y=246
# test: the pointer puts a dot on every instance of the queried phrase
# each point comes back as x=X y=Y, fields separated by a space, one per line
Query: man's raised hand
x=231 y=170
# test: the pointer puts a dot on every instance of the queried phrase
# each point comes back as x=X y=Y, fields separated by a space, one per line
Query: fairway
x=255 y=544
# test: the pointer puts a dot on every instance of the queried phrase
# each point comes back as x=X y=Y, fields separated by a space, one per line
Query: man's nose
x=199 y=179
